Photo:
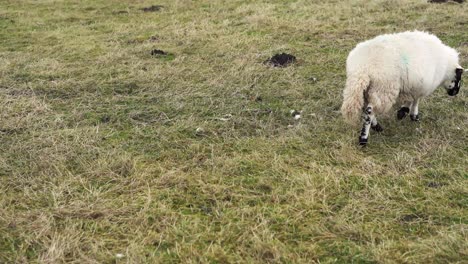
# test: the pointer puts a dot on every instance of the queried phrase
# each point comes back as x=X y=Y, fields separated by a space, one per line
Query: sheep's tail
x=353 y=96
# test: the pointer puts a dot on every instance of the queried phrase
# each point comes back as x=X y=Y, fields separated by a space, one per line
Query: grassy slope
x=100 y=153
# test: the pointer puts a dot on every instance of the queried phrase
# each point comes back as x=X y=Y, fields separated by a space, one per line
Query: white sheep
x=403 y=66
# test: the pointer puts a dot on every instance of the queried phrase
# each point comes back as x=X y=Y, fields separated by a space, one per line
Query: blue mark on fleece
x=405 y=59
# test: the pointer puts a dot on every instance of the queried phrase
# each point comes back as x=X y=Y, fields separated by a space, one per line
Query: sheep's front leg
x=414 y=112
x=369 y=121
x=404 y=110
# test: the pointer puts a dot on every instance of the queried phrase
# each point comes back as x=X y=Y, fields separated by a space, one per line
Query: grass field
x=112 y=155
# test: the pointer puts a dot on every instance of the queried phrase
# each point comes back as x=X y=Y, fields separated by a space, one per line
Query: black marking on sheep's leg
x=362 y=141
x=374 y=123
x=402 y=112
x=377 y=128
x=415 y=118
x=363 y=138
x=365 y=131
x=368 y=111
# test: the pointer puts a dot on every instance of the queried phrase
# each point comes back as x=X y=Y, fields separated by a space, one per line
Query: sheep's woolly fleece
x=395 y=66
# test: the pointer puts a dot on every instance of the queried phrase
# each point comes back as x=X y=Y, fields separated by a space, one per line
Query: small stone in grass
x=199 y=131
x=226 y=117
x=295 y=114
x=119 y=255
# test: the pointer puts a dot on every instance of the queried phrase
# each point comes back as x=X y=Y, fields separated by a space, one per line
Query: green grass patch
x=112 y=154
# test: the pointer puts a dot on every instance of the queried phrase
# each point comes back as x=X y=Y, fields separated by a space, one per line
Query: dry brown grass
x=101 y=154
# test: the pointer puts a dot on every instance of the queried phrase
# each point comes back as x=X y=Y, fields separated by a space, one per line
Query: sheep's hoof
x=415 y=118
x=377 y=128
x=362 y=141
x=402 y=112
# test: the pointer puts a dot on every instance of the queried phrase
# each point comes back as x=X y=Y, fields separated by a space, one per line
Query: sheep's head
x=453 y=86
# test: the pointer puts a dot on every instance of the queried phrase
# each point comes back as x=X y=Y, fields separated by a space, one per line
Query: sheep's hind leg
x=414 y=112
x=375 y=125
x=369 y=121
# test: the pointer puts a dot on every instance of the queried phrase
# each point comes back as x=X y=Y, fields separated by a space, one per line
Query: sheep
x=401 y=67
